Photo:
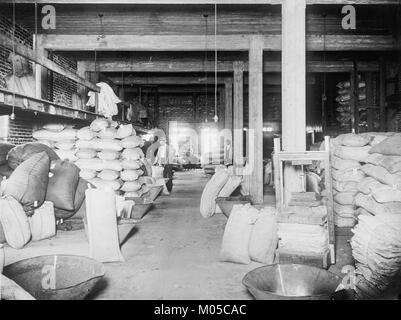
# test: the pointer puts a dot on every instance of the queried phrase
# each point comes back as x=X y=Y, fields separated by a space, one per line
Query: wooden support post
x=238 y=122
x=81 y=90
x=121 y=95
x=221 y=108
x=228 y=100
x=382 y=99
x=228 y=118
x=293 y=88
x=370 y=103
x=256 y=117
x=355 y=100
x=41 y=80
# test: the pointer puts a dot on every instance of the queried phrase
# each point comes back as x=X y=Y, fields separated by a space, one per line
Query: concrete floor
x=173 y=253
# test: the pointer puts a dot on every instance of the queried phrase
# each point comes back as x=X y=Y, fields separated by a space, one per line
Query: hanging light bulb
x=12 y=116
x=216 y=118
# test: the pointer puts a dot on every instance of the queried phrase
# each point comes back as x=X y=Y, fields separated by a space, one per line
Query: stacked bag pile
x=376 y=203
x=348 y=154
x=343 y=100
x=40 y=189
x=380 y=192
x=376 y=247
x=302 y=238
x=60 y=138
x=111 y=158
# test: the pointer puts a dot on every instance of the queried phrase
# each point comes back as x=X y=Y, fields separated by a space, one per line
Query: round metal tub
x=291 y=282
x=56 y=277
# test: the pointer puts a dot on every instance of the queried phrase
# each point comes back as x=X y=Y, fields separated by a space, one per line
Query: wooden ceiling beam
x=179 y=2
x=61 y=42
x=197 y=65
x=268 y=79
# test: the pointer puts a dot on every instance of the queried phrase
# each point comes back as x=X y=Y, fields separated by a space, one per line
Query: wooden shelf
x=26 y=103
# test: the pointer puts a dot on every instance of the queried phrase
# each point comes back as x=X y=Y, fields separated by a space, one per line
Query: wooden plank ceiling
x=189 y=20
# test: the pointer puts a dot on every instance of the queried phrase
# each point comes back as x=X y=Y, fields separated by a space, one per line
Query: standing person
x=152 y=149
x=163 y=156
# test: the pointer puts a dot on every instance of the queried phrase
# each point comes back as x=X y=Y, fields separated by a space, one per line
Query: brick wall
x=20 y=131
x=63 y=88
x=22 y=35
x=184 y=108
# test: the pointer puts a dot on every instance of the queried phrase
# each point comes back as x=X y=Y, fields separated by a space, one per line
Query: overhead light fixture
x=101 y=34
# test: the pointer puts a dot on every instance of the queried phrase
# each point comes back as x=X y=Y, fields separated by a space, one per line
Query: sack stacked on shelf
x=380 y=192
x=376 y=247
x=309 y=239
x=349 y=151
x=60 y=138
x=110 y=158
x=343 y=100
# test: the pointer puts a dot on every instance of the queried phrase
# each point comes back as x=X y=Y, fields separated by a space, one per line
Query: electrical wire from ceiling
x=12 y=115
x=216 y=117
x=205 y=68
x=324 y=95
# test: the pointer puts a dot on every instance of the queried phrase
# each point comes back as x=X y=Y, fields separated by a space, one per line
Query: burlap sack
x=371 y=205
x=340 y=164
x=345 y=198
x=237 y=234
x=348 y=175
x=264 y=237
x=353 y=140
x=391 y=146
x=352 y=153
x=382 y=175
x=391 y=163
x=211 y=191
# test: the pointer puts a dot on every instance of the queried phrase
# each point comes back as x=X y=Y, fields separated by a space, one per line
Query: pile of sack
x=111 y=158
x=250 y=234
x=376 y=247
x=60 y=138
x=348 y=153
x=305 y=238
x=343 y=99
x=380 y=192
x=40 y=189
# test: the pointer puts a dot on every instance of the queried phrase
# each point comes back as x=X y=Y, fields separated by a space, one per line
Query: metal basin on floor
x=56 y=277
x=291 y=282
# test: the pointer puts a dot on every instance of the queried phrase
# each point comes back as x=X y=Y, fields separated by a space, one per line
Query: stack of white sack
x=376 y=247
x=380 y=192
x=60 y=138
x=349 y=152
x=105 y=157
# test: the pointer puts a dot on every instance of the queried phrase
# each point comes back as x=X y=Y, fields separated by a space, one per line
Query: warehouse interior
x=185 y=121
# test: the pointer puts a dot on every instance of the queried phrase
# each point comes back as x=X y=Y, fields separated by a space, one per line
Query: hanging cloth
x=107 y=100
